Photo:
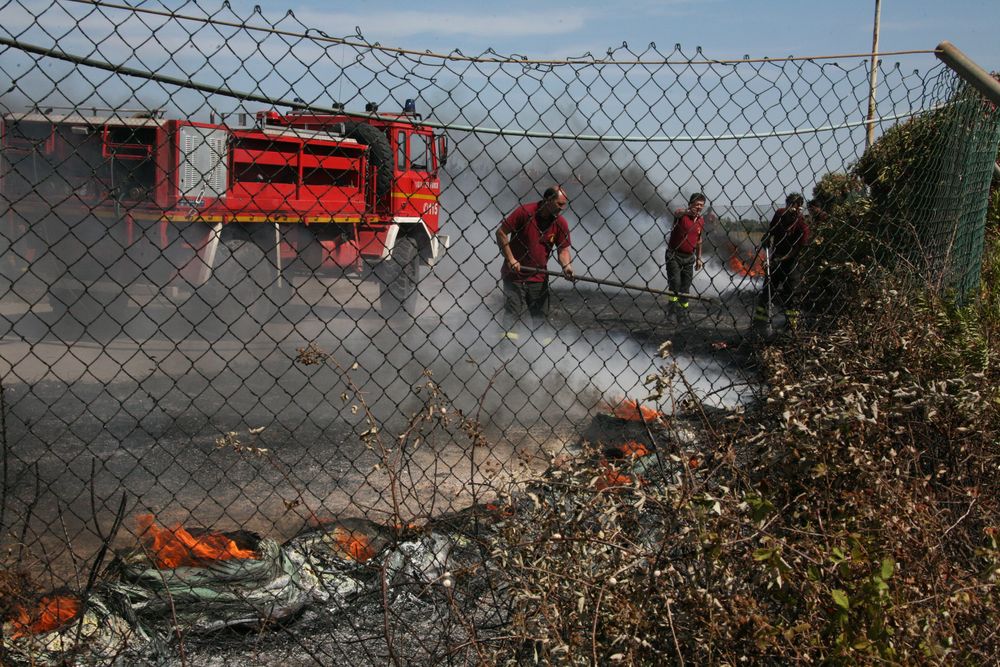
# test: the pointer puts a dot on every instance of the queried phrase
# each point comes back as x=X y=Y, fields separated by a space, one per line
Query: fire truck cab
x=100 y=202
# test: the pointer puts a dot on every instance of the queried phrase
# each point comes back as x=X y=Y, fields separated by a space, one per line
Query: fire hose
x=614 y=283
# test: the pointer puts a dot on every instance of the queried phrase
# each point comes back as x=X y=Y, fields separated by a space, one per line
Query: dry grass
x=852 y=519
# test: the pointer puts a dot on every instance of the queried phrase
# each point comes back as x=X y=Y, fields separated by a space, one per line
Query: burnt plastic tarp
x=340 y=555
x=221 y=593
x=104 y=632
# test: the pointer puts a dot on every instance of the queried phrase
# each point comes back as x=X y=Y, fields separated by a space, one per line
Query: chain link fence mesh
x=247 y=287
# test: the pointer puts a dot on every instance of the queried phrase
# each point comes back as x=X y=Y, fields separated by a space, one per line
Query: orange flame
x=176 y=547
x=612 y=477
x=633 y=448
x=753 y=269
x=504 y=511
x=51 y=612
x=354 y=544
x=630 y=410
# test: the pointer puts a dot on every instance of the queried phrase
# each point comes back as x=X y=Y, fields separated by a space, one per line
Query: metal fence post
x=972 y=73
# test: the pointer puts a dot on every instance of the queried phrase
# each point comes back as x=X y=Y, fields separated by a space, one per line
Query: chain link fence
x=252 y=281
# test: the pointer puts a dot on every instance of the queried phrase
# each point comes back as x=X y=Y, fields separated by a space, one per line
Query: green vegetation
x=854 y=516
x=853 y=519
x=912 y=207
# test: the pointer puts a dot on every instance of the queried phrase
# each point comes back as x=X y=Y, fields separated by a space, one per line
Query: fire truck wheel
x=242 y=291
x=379 y=152
x=398 y=279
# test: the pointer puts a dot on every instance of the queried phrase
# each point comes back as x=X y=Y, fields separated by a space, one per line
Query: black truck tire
x=241 y=294
x=379 y=151
x=398 y=279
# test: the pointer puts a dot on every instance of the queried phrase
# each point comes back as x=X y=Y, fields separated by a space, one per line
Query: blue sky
x=707 y=102
x=723 y=28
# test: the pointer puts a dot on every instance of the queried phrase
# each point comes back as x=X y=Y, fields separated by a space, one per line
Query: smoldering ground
x=619 y=221
x=139 y=405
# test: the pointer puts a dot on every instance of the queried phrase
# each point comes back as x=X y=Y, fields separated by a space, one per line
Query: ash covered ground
x=142 y=410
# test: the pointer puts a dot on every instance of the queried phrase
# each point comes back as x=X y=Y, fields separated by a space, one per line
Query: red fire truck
x=94 y=204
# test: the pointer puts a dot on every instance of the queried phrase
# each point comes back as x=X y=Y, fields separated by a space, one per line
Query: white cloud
x=474 y=23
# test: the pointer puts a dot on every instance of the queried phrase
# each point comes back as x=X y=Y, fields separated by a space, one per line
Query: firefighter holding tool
x=683 y=256
x=526 y=238
x=786 y=236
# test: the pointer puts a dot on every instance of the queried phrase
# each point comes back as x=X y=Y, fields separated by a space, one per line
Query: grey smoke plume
x=619 y=215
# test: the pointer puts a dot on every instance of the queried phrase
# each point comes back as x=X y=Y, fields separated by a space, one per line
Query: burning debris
x=187 y=582
x=178 y=581
x=220 y=581
x=630 y=410
x=62 y=629
x=752 y=267
x=51 y=612
x=615 y=459
x=177 y=547
x=353 y=543
x=611 y=477
x=630 y=449
x=337 y=554
x=621 y=427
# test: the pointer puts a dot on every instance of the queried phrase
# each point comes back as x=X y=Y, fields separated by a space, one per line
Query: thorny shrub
x=850 y=519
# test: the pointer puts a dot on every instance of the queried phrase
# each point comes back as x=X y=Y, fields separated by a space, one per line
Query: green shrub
x=853 y=518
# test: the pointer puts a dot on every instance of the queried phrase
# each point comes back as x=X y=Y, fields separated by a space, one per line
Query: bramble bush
x=851 y=519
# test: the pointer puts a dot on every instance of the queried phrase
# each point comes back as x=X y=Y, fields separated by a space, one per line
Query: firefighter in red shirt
x=787 y=235
x=526 y=238
x=684 y=253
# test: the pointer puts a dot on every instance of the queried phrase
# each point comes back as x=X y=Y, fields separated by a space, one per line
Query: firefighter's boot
x=672 y=307
x=792 y=320
x=761 y=319
x=683 y=313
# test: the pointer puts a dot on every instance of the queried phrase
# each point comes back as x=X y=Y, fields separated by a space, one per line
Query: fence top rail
x=973 y=74
x=53 y=52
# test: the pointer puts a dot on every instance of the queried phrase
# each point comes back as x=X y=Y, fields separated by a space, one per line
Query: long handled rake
x=769 y=327
x=615 y=283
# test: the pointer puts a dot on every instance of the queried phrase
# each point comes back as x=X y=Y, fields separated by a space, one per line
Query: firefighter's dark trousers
x=525 y=302
x=680 y=275
x=781 y=287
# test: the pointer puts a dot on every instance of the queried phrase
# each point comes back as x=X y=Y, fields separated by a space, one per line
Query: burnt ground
x=140 y=412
